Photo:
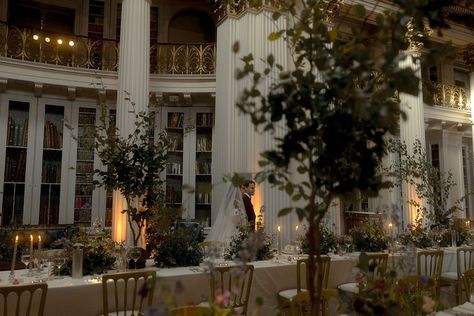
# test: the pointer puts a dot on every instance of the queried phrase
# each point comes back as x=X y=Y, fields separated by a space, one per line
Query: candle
x=31 y=246
x=390 y=227
x=12 y=272
x=279 y=239
x=39 y=242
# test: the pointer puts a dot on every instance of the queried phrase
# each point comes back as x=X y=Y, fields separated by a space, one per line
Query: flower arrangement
x=329 y=242
x=417 y=235
x=98 y=252
x=386 y=294
x=179 y=247
x=369 y=237
x=249 y=246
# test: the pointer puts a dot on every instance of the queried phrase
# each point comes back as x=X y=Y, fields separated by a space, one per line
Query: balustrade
x=103 y=54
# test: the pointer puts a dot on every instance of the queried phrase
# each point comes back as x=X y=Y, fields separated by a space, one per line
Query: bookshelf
x=96 y=19
x=15 y=163
x=203 y=168
x=84 y=187
x=190 y=133
x=51 y=165
x=174 y=167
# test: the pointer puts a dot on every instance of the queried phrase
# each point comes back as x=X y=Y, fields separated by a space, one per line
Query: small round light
x=35 y=37
x=71 y=43
x=47 y=39
x=60 y=41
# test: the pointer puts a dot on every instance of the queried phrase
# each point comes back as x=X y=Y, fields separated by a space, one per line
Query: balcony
x=446 y=96
x=82 y=52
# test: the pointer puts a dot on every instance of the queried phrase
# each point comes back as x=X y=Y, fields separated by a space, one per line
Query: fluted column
x=469 y=61
x=133 y=82
x=237 y=144
x=411 y=129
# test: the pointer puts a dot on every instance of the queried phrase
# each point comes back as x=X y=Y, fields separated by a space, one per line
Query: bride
x=230 y=217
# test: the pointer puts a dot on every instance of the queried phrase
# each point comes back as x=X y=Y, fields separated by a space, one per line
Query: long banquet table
x=83 y=297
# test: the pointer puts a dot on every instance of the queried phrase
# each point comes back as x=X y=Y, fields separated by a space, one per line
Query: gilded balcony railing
x=76 y=51
x=451 y=96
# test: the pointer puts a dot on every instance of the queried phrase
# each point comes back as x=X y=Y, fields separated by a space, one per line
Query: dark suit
x=249 y=210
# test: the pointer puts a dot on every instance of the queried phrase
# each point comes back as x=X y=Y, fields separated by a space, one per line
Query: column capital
x=223 y=9
x=414 y=37
x=468 y=56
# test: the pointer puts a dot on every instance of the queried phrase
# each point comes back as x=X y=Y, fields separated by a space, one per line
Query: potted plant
x=133 y=165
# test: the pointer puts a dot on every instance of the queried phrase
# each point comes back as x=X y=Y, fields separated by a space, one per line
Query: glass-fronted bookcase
x=189 y=168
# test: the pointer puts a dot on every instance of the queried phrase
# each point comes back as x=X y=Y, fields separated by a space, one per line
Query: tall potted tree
x=336 y=106
x=133 y=166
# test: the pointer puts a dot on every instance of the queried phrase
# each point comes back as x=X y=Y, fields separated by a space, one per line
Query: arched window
x=191 y=26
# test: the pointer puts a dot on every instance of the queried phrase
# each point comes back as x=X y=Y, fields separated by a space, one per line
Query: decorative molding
x=38 y=89
x=223 y=9
x=71 y=93
x=3 y=85
x=331 y=8
x=468 y=56
x=414 y=37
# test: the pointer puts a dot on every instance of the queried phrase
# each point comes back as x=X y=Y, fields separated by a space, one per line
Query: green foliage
x=133 y=166
x=179 y=247
x=6 y=246
x=386 y=294
x=419 y=236
x=98 y=253
x=246 y=245
x=369 y=237
x=431 y=185
x=333 y=108
x=328 y=242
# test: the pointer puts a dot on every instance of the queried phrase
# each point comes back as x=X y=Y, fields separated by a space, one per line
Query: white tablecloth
x=80 y=297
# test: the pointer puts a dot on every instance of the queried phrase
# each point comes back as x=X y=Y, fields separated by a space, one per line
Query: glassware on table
x=134 y=253
x=26 y=260
x=58 y=261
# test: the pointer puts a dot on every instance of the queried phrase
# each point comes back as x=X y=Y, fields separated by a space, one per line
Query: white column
x=411 y=129
x=133 y=82
x=237 y=144
x=452 y=161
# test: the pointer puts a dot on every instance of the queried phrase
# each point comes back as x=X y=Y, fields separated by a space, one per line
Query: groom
x=248 y=190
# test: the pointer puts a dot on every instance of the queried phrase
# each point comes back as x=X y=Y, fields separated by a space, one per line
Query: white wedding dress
x=230 y=217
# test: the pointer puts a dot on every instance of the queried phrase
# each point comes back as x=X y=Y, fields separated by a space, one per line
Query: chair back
x=430 y=263
x=468 y=281
x=127 y=292
x=418 y=284
x=378 y=261
x=237 y=281
x=300 y=304
x=191 y=310
x=25 y=300
x=324 y=264
x=464 y=259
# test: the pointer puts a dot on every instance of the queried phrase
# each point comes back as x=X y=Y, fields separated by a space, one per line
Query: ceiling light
x=71 y=43
x=60 y=41
x=47 y=40
x=35 y=37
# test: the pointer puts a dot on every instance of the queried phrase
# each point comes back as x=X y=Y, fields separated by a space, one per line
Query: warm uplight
x=47 y=39
x=390 y=225
x=60 y=41
x=71 y=43
x=35 y=37
x=279 y=228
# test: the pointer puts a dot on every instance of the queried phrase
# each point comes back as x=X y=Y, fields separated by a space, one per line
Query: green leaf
x=236 y=47
x=289 y=189
x=270 y=60
x=276 y=15
x=274 y=36
x=285 y=211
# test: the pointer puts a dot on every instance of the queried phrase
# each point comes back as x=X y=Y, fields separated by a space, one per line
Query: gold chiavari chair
x=126 y=289
x=468 y=281
x=464 y=262
x=430 y=264
x=28 y=300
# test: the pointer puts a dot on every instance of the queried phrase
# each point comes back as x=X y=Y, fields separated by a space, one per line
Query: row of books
x=204 y=119
x=87 y=118
x=175 y=120
x=17 y=132
x=175 y=168
x=172 y=195
x=203 y=143
x=203 y=198
x=175 y=142
x=85 y=167
x=85 y=154
x=15 y=166
x=84 y=202
x=51 y=172
x=84 y=189
x=203 y=166
x=52 y=136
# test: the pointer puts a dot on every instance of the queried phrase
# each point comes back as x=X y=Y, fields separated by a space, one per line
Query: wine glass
x=58 y=262
x=134 y=253
x=26 y=259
